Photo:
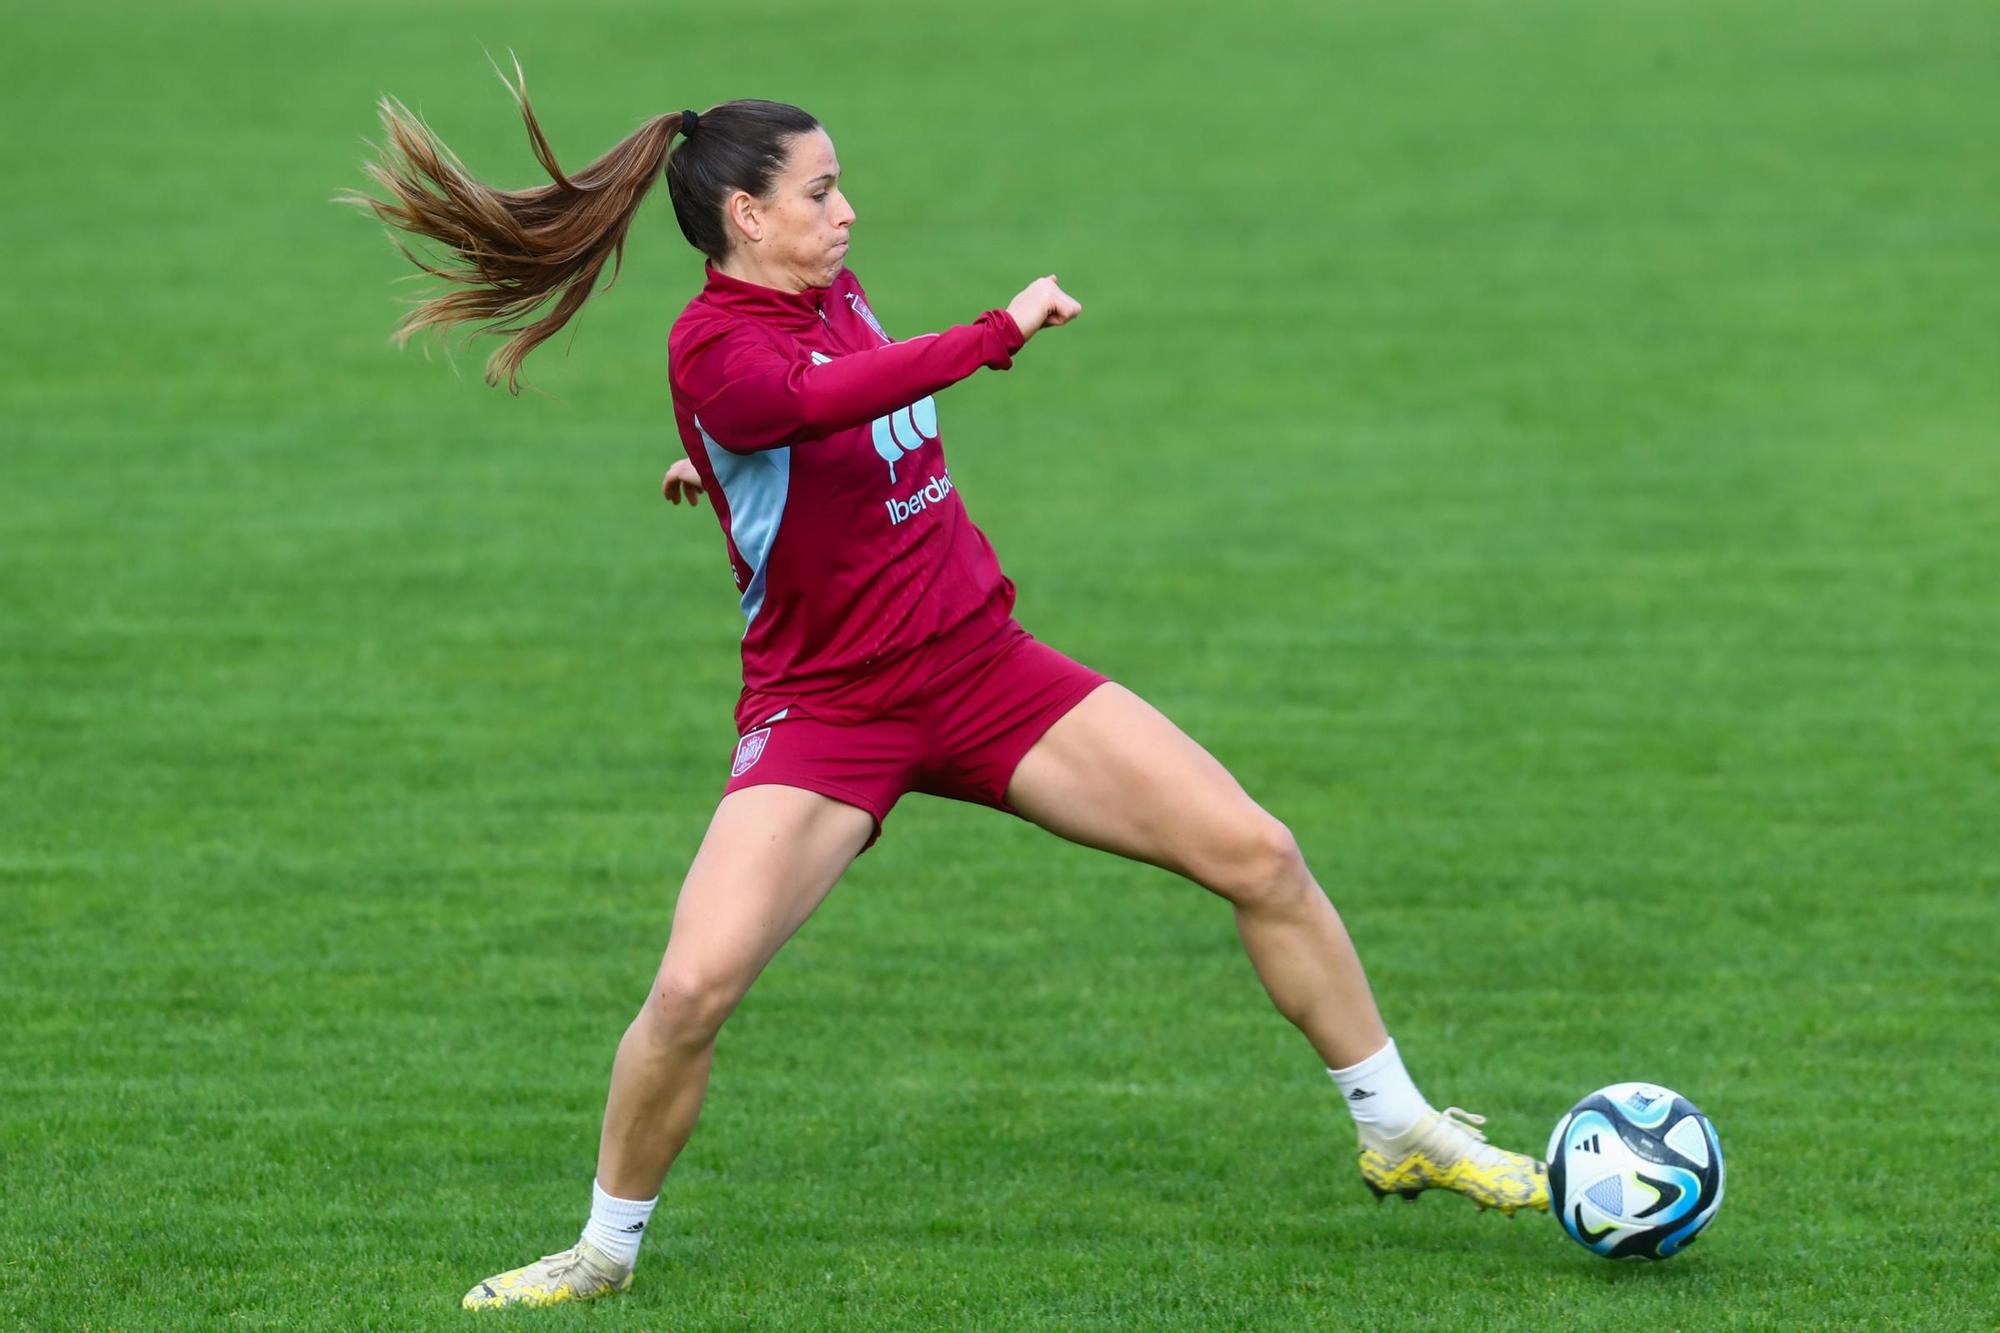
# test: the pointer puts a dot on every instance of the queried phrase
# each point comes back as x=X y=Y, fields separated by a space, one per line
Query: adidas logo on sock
x=1359 y=1095
x=634 y=1229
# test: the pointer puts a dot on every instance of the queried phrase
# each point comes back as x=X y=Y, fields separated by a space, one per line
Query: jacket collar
x=797 y=310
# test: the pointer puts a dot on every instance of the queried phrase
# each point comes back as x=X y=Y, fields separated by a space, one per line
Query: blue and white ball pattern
x=1635 y=1172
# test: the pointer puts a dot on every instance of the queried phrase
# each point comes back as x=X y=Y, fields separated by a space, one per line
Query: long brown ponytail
x=515 y=249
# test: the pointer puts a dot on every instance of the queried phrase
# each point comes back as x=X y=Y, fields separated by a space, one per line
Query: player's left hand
x=682 y=479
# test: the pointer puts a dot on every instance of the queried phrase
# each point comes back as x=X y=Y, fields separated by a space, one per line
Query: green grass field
x=1551 y=452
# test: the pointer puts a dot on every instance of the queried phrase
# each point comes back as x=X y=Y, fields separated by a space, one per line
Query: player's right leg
x=768 y=859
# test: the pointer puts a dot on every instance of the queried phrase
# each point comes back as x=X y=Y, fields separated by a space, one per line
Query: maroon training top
x=817 y=438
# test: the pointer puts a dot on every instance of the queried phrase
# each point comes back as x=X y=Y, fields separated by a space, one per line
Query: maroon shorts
x=961 y=735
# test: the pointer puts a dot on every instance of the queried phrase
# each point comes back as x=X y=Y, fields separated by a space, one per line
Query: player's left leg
x=1114 y=773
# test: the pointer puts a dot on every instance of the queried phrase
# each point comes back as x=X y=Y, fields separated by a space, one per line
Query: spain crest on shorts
x=749 y=750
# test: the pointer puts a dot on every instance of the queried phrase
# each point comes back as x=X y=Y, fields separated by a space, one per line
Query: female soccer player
x=880 y=653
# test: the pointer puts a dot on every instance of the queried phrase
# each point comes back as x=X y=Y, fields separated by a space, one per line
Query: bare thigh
x=1116 y=774
x=769 y=858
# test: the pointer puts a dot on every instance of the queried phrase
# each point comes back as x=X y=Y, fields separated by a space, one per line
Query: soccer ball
x=1635 y=1172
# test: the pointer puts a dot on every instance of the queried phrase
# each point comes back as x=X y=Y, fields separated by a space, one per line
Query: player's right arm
x=682 y=479
x=748 y=395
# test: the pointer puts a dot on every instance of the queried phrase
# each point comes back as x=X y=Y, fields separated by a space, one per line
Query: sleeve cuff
x=1003 y=338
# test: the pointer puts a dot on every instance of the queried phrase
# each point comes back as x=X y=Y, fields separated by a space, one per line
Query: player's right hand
x=1043 y=302
x=682 y=479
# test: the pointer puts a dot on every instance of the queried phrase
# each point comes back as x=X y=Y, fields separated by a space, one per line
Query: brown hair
x=515 y=250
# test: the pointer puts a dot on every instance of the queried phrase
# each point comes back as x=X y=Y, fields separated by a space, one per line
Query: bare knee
x=1257 y=863
x=686 y=1008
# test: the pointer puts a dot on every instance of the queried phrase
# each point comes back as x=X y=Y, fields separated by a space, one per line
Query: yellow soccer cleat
x=581 y=1273
x=1447 y=1151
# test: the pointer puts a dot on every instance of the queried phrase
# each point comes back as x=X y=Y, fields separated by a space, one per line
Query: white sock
x=1380 y=1095
x=617 y=1226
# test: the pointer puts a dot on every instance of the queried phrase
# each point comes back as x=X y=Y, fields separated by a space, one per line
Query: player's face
x=806 y=216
